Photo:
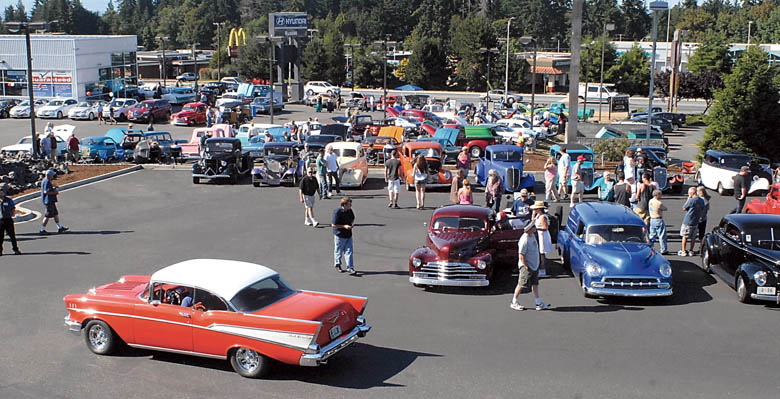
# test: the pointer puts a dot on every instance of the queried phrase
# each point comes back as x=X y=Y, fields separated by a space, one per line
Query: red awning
x=548 y=70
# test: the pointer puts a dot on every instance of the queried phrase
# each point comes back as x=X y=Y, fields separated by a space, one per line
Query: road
x=439 y=343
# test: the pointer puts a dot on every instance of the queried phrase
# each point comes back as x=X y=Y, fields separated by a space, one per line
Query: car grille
x=513 y=178
x=659 y=175
x=631 y=282
x=449 y=271
x=587 y=176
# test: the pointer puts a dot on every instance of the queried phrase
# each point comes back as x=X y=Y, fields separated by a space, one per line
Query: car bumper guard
x=207 y=176
x=663 y=289
x=321 y=356
x=769 y=298
x=449 y=282
x=73 y=326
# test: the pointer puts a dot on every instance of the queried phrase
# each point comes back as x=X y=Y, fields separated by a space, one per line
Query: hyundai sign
x=288 y=24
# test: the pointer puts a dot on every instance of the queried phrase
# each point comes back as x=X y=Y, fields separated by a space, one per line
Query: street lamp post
x=195 y=66
x=163 y=39
x=219 y=47
x=749 y=24
x=351 y=63
x=526 y=40
x=655 y=7
x=607 y=27
x=271 y=61
x=488 y=51
x=506 y=77
x=384 y=73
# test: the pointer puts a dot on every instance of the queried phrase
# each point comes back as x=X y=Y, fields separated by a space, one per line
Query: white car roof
x=63 y=131
x=220 y=277
x=345 y=144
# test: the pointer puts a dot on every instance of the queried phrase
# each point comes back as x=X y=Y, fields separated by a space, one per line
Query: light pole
x=526 y=40
x=26 y=26
x=219 y=47
x=607 y=27
x=351 y=62
x=749 y=24
x=655 y=7
x=506 y=77
x=163 y=39
x=195 y=66
x=488 y=51
x=271 y=61
x=384 y=73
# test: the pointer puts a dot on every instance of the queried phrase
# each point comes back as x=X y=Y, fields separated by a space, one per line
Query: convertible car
x=219 y=309
x=744 y=251
x=605 y=246
x=507 y=160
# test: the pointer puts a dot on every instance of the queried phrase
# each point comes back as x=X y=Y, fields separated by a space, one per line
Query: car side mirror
x=155 y=302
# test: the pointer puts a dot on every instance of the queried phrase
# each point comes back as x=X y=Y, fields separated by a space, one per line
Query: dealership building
x=68 y=65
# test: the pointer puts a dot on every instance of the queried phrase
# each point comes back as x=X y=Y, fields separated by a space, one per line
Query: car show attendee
x=741 y=185
x=45 y=147
x=689 y=229
x=643 y=195
x=150 y=126
x=632 y=191
x=656 y=210
x=494 y=188
x=577 y=188
x=307 y=189
x=550 y=171
x=463 y=161
x=100 y=118
x=629 y=165
x=333 y=171
x=465 y=196
x=701 y=191
x=521 y=208
x=393 y=178
x=318 y=108
x=52 y=146
x=564 y=171
x=457 y=183
x=528 y=263
x=7 y=220
x=420 y=175
x=322 y=174
x=542 y=223
x=49 y=198
x=606 y=189
x=73 y=147
x=111 y=115
x=343 y=219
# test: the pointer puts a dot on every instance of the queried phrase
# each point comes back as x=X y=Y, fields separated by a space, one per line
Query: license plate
x=335 y=332
x=766 y=290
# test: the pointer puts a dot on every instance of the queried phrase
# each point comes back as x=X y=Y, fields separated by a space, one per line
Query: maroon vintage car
x=464 y=245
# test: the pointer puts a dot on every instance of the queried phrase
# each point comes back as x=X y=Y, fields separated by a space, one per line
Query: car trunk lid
x=337 y=316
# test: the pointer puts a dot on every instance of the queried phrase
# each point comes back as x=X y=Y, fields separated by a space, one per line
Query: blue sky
x=92 y=5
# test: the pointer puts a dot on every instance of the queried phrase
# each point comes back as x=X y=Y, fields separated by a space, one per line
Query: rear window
x=446 y=223
x=261 y=294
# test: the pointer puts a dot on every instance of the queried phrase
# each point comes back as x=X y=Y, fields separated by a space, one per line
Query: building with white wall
x=68 y=65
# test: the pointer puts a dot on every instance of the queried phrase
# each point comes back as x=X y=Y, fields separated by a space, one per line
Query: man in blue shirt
x=49 y=198
x=522 y=207
x=689 y=229
x=7 y=220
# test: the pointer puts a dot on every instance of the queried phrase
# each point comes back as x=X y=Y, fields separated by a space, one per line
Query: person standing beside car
x=393 y=178
x=622 y=191
x=343 y=219
x=740 y=189
x=73 y=147
x=577 y=188
x=494 y=188
x=550 y=171
x=7 y=220
x=689 y=229
x=420 y=176
x=333 y=171
x=528 y=264
x=701 y=191
x=463 y=161
x=45 y=147
x=656 y=210
x=564 y=171
x=322 y=174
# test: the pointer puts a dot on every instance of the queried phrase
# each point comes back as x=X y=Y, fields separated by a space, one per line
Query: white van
x=593 y=93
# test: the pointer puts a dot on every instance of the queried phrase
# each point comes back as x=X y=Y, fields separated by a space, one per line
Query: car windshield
x=611 y=233
x=219 y=146
x=320 y=139
x=56 y=103
x=90 y=141
x=508 y=156
x=145 y=105
x=118 y=103
x=459 y=223
x=346 y=152
x=83 y=104
x=261 y=294
x=278 y=150
x=766 y=237
x=734 y=161
x=257 y=140
x=24 y=103
x=426 y=152
x=363 y=119
x=588 y=156
x=189 y=108
x=25 y=140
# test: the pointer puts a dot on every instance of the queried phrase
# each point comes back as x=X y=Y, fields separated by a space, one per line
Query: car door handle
x=185 y=314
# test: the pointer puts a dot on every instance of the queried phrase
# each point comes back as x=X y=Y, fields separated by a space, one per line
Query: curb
x=30 y=215
x=79 y=183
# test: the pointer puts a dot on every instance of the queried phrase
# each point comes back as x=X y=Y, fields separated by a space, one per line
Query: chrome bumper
x=654 y=292
x=769 y=298
x=205 y=176
x=437 y=185
x=322 y=355
x=73 y=326
x=449 y=283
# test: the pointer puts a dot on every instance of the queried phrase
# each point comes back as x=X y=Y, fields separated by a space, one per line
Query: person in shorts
x=49 y=198
x=689 y=229
x=528 y=263
x=307 y=189
x=393 y=179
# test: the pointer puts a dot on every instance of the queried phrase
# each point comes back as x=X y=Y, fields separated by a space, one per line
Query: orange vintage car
x=437 y=175
x=218 y=309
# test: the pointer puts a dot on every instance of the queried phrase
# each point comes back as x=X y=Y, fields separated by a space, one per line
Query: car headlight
x=665 y=270
x=593 y=269
x=416 y=262
x=760 y=278
x=223 y=163
x=481 y=264
x=447 y=175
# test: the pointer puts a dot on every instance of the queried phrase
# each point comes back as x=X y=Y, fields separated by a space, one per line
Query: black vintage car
x=744 y=251
x=222 y=159
x=5 y=106
x=655 y=164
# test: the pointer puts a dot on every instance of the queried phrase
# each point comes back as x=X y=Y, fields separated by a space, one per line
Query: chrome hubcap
x=98 y=337
x=741 y=287
x=247 y=359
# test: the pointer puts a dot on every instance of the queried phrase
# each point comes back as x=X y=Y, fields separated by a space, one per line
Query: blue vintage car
x=507 y=160
x=254 y=146
x=98 y=148
x=281 y=165
x=126 y=140
x=605 y=246
x=446 y=137
x=656 y=166
x=574 y=151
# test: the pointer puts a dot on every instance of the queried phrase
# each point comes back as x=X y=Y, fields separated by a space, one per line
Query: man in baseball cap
x=528 y=265
x=7 y=219
x=49 y=198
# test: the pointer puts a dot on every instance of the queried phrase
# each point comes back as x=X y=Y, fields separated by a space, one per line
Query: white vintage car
x=353 y=165
x=719 y=168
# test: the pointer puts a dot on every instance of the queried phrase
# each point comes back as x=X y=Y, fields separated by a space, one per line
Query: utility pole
x=271 y=62
x=384 y=79
x=488 y=51
x=195 y=66
x=655 y=7
x=574 y=71
x=506 y=77
x=607 y=27
x=749 y=25
x=163 y=39
x=526 y=40
x=219 y=47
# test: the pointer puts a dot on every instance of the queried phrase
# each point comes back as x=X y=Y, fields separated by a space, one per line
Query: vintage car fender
x=482 y=144
x=712 y=255
x=711 y=177
x=759 y=184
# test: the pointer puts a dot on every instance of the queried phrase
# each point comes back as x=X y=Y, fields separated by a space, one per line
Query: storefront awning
x=548 y=70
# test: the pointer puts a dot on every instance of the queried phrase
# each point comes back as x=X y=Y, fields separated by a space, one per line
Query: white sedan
x=86 y=110
x=353 y=165
x=56 y=108
x=320 y=87
x=516 y=128
x=120 y=106
x=24 y=145
x=22 y=110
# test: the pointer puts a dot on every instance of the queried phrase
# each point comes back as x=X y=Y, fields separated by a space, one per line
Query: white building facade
x=81 y=67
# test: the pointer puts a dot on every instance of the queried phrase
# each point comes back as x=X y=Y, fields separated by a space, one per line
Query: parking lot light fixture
x=528 y=40
x=655 y=7
x=164 y=40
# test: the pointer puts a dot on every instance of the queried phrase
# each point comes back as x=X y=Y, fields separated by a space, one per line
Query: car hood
x=50 y=108
x=127 y=286
x=769 y=254
x=20 y=108
x=79 y=109
x=456 y=244
x=501 y=166
x=182 y=114
x=624 y=258
x=17 y=147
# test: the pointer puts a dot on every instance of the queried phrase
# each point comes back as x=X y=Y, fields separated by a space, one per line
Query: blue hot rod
x=507 y=160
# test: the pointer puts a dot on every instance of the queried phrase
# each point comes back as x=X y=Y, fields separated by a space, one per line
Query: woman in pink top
x=464 y=162
x=550 y=172
x=464 y=194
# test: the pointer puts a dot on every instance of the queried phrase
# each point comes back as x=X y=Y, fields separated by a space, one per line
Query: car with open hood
x=127 y=140
x=588 y=167
x=282 y=164
x=56 y=108
x=353 y=166
x=744 y=251
x=223 y=309
x=438 y=176
x=507 y=161
x=222 y=159
x=605 y=247
x=719 y=167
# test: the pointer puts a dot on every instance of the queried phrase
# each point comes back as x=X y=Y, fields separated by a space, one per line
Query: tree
x=433 y=19
x=635 y=21
x=427 y=66
x=591 y=59
x=368 y=69
x=468 y=35
x=314 y=60
x=631 y=73
x=712 y=55
x=745 y=114
x=252 y=60
x=597 y=13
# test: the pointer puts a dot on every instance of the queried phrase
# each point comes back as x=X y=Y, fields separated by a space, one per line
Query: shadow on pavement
x=601 y=308
x=71 y=232
x=24 y=253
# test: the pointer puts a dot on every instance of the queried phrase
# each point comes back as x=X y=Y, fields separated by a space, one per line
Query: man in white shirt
x=564 y=171
x=577 y=187
x=333 y=171
x=528 y=264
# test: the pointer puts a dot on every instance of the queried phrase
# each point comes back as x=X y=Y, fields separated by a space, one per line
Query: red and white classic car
x=218 y=309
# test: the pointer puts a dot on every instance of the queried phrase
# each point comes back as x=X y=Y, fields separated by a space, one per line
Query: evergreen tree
x=631 y=73
x=635 y=23
x=428 y=64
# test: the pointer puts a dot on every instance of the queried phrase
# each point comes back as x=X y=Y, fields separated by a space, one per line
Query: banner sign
x=288 y=24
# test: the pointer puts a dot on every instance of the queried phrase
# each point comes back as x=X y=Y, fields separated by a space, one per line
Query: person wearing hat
x=577 y=187
x=7 y=220
x=542 y=224
x=528 y=263
x=463 y=161
x=522 y=206
x=49 y=199
x=494 y=187
x=308 y=188
x=741 y=184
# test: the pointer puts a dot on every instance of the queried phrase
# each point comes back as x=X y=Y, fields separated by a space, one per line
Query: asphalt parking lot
x=700 y=343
